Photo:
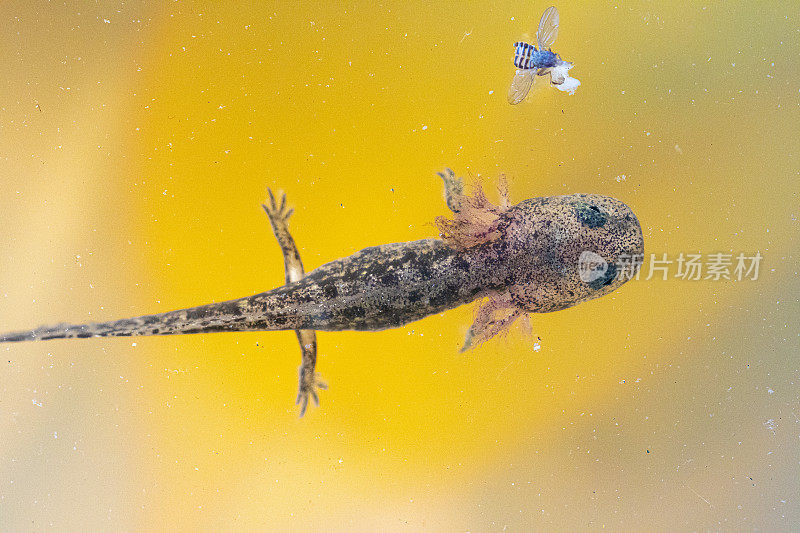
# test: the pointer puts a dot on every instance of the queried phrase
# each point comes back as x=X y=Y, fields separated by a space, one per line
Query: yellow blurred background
x=137 y=141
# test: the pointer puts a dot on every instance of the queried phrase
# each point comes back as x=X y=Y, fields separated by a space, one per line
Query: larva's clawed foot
x=278 y=213
x=308 y=389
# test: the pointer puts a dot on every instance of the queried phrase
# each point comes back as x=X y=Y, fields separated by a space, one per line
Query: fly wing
x=520 y=85
x=548 y=28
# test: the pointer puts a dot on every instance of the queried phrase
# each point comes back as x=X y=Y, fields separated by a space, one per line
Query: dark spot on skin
x=389 y=279
x=196 y=313
x=305 y=296
x=454 y=286
x=609 y=276
x=590 y=215
x=444 y=297
x=390 y=313
x=330 y=291
x=225 y=308
x=346 y=276
x=408 y=256
x=83 y=335
x=459 y=263
x=351 y=313
x=424 y=270
x=377 y=268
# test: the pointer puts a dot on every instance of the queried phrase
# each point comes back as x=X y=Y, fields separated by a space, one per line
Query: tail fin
x=60 y=331
x=144 y=325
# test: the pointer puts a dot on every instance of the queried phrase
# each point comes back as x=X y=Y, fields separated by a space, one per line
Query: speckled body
x=529 y=253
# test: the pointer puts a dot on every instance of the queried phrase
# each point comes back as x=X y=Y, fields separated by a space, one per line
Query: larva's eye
x=590 y=215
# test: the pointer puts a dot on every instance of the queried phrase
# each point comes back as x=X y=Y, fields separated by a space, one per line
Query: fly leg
x=309 y=380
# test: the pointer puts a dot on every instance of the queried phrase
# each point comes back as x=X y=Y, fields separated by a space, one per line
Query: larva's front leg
x=453 y=190
x=475 y=218
x=309 y=380
x=494 y=316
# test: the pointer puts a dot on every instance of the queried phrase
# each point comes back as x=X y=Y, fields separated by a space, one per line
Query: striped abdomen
x=528 y=57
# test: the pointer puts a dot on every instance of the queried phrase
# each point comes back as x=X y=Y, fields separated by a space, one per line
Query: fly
x=533 y=62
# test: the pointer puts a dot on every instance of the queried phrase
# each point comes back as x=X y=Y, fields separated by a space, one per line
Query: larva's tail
x=144 y=325
x=269 y=311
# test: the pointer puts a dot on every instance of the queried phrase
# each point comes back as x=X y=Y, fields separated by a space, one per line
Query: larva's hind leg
x=309 y=380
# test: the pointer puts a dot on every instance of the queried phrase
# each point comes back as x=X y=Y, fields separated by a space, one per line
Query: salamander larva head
x=570 y=249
